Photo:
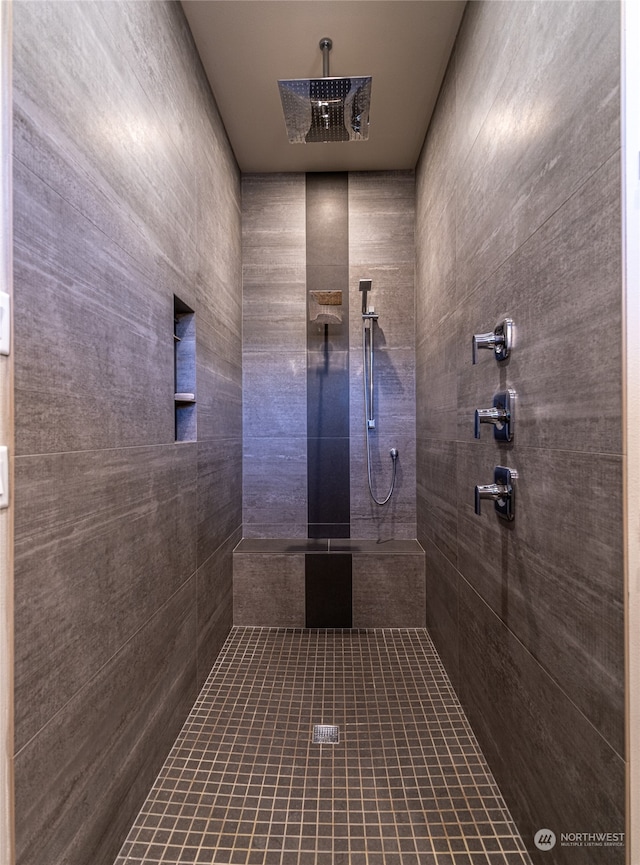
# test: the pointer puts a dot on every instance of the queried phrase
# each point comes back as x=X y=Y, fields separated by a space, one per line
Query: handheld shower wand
x=368 y=315
x=365 y=288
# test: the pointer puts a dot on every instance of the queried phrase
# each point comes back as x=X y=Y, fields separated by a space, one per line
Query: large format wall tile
x=394 y=430
x=435 y=468
x=219 y=395
x=126 y=194
x=102 y=539
x=555 y=575
x=328 y=485
x=218 y=229
x=42 y=154
x=219 y=505
x=381 y=218
x=274 y=355
x=93 y=368
x=269 y=589
x=275 y=485
x=274 y=411
x=328 y=406
x=167 y=74
x=273 y=220
x=440 y=156
x=443 y=608
x=575 y=778
x=393 y=297
x=382 y=248
x=528 y=615
x=328 y=508
x=478 y=44
x=274 y=308
x=394 y=390
x=122 y=140
x=81 y=780
x=214 y=597
x=542 y=137
x=566 y=277
x=327 y=220
x=397 y=519
x=381 y=602
x=289 y=221
x=438 y=357
x=436 y=267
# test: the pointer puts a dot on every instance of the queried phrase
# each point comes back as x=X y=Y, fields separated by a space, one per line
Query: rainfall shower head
x=326 y=109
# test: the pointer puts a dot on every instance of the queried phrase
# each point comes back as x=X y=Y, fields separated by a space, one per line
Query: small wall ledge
x=328 y=545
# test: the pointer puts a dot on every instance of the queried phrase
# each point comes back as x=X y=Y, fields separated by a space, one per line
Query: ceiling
x=247 y=45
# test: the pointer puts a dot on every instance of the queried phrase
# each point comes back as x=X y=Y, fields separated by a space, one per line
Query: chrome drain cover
x=326 y=734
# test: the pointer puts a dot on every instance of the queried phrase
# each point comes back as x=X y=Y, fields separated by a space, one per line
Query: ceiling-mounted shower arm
x=325 y=46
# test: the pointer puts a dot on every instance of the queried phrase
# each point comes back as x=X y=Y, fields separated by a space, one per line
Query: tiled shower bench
x=336 y=582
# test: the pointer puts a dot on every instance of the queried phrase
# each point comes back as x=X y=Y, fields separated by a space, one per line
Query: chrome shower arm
x=325 y=46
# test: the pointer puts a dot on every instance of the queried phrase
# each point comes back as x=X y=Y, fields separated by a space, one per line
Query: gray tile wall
x=126 y=193
x=388 y=589
x=274 y=356
x=299 y=406
x=381 y=247
x=518 y=213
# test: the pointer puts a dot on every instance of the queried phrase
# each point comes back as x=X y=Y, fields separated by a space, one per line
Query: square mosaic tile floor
x=405 y=784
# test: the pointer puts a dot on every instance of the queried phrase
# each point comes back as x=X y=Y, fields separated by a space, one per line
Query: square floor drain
x=326 y=734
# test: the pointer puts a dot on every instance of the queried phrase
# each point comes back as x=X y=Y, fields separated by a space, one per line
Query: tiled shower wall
x=274 y=356
x=518 y=214
x=126 y=193
x=380 y=225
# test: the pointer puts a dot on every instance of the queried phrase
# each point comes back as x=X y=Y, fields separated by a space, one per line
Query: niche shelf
x=184 y=365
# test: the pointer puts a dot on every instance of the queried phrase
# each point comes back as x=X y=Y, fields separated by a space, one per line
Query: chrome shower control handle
x=501 y=416
x=488 y=415
x=500 y=491
x=482 y=340
x=488 y=491
x=500 y=340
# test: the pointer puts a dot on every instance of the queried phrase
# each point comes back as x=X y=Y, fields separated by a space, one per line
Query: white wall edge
x=6 y=439
x=7 y=853
x=631 y=403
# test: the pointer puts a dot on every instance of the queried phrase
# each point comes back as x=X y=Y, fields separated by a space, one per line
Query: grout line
x=244 y=782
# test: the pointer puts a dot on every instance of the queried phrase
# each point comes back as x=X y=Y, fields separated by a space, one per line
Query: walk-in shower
x=369 y=319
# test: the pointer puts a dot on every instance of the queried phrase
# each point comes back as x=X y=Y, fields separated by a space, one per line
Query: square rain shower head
x=326 y=109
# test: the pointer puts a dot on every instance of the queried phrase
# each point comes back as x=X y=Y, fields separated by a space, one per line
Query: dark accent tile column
x=328 y=590
x=327 y=238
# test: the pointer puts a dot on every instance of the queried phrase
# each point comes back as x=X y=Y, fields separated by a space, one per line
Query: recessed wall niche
x=184 y=364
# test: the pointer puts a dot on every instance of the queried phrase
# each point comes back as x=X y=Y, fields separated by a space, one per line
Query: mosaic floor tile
x=405 y=784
